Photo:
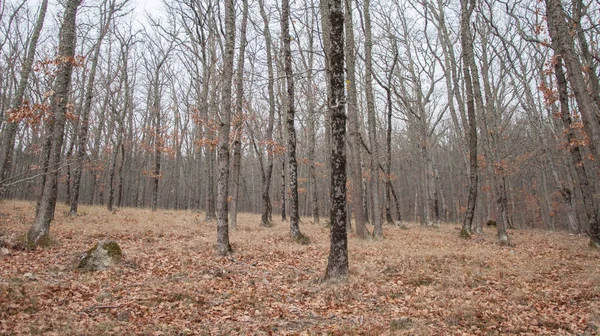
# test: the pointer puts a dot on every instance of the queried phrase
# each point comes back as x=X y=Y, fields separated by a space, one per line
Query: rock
x=104 y=254
x=29 y=276
x=4 y=251
x=123 y=316
x=401 y=323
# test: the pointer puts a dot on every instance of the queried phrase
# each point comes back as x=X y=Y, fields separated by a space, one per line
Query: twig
x=94 y=307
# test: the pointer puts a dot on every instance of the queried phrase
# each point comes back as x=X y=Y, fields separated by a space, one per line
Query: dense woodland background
x=146 y=95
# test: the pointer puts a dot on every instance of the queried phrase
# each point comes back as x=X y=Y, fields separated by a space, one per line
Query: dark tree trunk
x=223 y=246
x=467 y=46
x=586 y=186
x=337 y=263
x=290 y=115
x=66 y=51
x=85 y=118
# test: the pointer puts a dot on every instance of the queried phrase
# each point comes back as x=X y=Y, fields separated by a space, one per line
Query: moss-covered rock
x=102 y=255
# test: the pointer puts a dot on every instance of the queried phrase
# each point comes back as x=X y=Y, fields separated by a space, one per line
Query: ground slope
x=420 y=281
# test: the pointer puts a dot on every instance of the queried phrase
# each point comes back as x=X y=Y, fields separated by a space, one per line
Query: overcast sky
x=151 y=6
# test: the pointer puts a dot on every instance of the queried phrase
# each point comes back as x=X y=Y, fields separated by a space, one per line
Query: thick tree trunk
x=10 y=131
x=39 y=231
x=337 y=263
x=223 y=246
x=586 y=186
x=562 y=43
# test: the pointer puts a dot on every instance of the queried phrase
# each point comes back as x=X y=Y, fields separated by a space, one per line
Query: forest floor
x=416 y=281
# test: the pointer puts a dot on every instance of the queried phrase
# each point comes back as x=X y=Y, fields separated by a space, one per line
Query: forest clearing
x=416 y=281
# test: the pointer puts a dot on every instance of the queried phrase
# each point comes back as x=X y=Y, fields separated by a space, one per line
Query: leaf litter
x=421 y=281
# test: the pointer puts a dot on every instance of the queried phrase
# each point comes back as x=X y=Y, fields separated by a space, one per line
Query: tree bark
x=586 y=184
x=353 y=125
x=467 y=50
x=337 y=263
x=223 y=246
x=85 y=115
x=372 y=118
x=268 y=170
x=39 y=231
x=290 y=115
x=238 y=119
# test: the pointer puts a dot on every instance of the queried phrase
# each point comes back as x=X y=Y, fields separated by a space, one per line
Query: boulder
x=104 y=254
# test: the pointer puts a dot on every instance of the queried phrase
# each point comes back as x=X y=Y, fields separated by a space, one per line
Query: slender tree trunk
x=40 y=229
x=354 y=138
x=290 y=115
x=267 y=175
x=238 y=119
x=85 y=117
x=337 y=263
x=467 y=50
x=223 y=246
x=372 y=118
x=10 y=130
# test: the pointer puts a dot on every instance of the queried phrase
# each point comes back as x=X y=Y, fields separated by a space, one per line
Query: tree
x=337 y=263
x=467 y=51
x=223 y=246
x=353 y=126
x=8 y=139
x=39 y=231
x=106 y=18
x=372 y=118
x=289 y=121
x=562 y=43
x=238 y=118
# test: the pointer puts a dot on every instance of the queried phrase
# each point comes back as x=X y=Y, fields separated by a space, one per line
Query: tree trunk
x=39 y=231
x=467 y=50
x=353 y=125
x=268 y=171
x=238 y=119
x=562 y=43
x=372 y=118
x=337 y=263
x=85 y=116
x=585 y=185
x=223 y=246
x=290 y=115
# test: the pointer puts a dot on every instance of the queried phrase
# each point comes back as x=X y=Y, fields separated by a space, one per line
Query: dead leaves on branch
x=417 y=281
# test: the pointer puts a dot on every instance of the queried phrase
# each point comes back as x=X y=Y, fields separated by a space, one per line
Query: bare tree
x=291 y=130
x=467 y=8
x=353 y=125
x=337 y=263
x=238 y=118
x=38 y=234
x=372 y=118
x=223 y=246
